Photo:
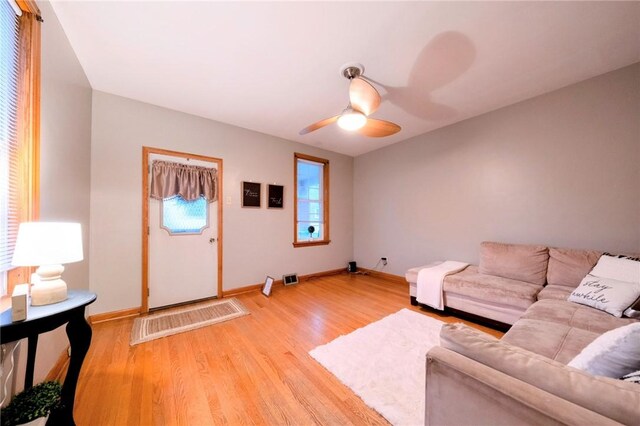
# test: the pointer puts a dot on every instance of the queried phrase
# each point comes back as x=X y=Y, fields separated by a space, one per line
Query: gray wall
x=560 y=169
x=256 y=243
x=65 y=154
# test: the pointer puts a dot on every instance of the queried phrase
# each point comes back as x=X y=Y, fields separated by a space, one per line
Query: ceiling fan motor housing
x=352 y=70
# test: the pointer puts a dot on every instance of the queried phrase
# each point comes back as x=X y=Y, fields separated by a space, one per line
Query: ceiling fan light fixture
x=351 y=119
x=364 y=100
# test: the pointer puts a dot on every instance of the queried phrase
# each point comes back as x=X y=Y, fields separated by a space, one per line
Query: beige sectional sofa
x=510 y=278
x=522 y=379
x=507 y=281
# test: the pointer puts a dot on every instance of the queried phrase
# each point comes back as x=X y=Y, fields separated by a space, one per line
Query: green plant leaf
x=32 y=403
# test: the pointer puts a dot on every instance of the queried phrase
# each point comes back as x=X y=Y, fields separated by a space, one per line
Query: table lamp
x=48 y=245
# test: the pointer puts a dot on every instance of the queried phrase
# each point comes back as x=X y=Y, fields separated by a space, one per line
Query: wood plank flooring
x=250 y=370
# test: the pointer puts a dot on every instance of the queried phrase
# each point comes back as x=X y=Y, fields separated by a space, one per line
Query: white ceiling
x=273 y=67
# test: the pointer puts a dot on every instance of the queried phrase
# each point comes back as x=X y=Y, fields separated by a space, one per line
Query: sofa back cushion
x=516 y=261
x=568 y=267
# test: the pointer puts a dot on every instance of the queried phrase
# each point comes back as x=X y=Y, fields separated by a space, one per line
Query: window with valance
x=185 y=191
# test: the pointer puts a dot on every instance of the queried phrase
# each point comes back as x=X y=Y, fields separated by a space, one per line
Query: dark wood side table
x=46 y=318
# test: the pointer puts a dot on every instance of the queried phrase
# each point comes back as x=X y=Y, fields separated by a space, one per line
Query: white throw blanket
x=430 y=281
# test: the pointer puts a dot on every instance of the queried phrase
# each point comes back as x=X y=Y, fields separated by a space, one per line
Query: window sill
x=298 y=244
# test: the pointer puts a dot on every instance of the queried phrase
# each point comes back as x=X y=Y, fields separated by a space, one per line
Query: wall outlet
x=384 y=261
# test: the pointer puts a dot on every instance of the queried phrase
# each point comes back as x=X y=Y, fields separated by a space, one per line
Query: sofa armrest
x=461 y=391
x=610 y=398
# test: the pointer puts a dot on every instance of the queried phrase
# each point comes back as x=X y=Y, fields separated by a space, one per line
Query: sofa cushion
x=574 y=315
x=567 y=267
x=520 y=262
x=492 y=288
x=559 y=342
x=556 y=292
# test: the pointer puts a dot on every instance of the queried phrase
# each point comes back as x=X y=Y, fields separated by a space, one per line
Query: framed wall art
x=275 y=197
x=266 y=287
x=251 y=194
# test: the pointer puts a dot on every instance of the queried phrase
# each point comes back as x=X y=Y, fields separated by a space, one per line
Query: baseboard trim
x=115 y=315
x=249 y=288
x=58 y=370
x=134 y=312
x=321 y=274
x=278 y=283
x=384 y=275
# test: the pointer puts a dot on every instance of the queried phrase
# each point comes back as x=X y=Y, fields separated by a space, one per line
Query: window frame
x=325 y=200
x=28 y=172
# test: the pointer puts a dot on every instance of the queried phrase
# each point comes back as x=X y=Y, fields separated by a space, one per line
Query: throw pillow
x=612 y=354
x=606 y=294
x=621 y=268
x=632 y=377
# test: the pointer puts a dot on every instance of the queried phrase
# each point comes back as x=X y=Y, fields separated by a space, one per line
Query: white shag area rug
x=384 y=363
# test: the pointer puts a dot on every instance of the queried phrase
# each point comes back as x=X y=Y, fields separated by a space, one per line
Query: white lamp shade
x=351 y=119
x=48 y=243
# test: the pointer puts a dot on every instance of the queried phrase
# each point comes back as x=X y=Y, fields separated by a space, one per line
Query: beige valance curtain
x=190 y=182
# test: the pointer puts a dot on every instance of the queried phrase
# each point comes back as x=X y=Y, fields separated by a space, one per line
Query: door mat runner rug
x=177 y=321
x=384 y=363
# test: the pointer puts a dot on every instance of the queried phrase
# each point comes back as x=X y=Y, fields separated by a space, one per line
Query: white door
x=183 y=257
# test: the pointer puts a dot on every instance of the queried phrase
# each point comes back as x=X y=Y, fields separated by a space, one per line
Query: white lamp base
x=50 y=289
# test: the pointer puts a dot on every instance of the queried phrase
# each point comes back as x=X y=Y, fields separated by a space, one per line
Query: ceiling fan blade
x=363 y=96
x=379 y=128
x=318 y=125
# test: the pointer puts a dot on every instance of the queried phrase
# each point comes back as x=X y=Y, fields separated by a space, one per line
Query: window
x=311 y=201
x=9 y=70
x=19 y=129
x=180 y=217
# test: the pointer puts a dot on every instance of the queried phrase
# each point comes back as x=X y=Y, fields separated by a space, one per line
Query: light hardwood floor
x=250 y=370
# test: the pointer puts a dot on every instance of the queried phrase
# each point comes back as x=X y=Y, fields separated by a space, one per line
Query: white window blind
x=9 y=68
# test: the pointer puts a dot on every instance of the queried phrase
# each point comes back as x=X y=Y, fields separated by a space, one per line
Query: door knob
x=212 y=240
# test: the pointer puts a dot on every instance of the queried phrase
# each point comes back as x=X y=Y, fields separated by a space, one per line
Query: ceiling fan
x=364 y=100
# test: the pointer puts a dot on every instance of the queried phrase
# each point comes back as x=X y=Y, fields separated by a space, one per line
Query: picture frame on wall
x=275 y=197
x=266 y=287
x=251 y=194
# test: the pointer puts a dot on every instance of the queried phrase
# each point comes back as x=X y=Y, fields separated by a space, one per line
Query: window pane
x=303 y=231
x=309 y=180
x=310 y=211
x=314 y=193
x=184 y=217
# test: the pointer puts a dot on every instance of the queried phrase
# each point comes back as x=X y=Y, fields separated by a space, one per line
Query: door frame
x=146 y=151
